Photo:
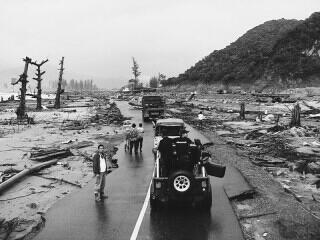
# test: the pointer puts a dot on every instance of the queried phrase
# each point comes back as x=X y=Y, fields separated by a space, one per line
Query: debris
x=298 y=132
x=267 y=161
x=60 y=180
x=313 y=167
x=314 y=198
x=22 y=196
x=288 y=190
x=24 y=173
x=74 y=125
x=256 y=215
x=314 y=115
x=42 y=155
x=315 y=144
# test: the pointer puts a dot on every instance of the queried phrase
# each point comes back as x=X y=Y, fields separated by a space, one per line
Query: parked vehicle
x=153 y=107
x=187 y=179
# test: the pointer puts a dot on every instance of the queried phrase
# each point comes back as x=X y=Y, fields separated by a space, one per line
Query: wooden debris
x=60 y=180
x=42 y=155
x=268 y=161
x=256 y=215
x=25 y=172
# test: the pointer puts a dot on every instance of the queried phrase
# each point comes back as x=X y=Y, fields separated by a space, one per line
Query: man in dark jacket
x=165 y=149
x=100 y=170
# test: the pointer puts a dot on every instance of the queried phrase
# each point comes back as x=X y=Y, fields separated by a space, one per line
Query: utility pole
x=21 y=110
x=39 y=79
x=57 y=102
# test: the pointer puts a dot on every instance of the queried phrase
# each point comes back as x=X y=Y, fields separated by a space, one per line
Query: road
x=126 y=213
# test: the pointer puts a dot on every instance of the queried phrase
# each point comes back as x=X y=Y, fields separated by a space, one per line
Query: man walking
x=140 y=137
x=100 y=167
x=133 y=138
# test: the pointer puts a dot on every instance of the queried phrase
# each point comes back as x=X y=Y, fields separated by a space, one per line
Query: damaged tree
x=39 y=79
x=295 y=116
x=59 y=90
x=242 y=111
x=21 y=110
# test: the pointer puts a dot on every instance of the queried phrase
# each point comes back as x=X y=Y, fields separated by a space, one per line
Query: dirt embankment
x=279 y=161
x=70 y=135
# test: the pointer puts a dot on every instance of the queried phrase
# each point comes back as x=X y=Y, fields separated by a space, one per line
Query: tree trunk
x=57 y=101
x=295 y=116
x=242 y=111
x=21 y=111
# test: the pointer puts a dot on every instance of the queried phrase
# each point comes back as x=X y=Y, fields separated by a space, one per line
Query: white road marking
x=136 y=229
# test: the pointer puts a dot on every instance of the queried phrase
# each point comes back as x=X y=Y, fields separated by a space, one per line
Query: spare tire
x=181 y=182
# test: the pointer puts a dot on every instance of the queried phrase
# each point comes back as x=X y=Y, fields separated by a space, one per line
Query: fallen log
x=24 y=173
x=59 y=180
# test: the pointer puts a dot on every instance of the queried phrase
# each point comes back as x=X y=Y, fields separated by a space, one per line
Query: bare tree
x=59 y=91
x=23 y=79
x=39 y=79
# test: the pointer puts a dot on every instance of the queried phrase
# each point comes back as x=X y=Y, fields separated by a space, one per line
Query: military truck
x=152 y=107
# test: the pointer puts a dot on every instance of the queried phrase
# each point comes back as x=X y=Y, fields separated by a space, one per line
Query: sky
x=98 y=38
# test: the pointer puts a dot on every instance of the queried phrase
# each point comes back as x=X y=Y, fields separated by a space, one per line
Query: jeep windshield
x=173 y=126
x=171 y=130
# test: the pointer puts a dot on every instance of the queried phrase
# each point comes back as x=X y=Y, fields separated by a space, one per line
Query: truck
x=153 y=107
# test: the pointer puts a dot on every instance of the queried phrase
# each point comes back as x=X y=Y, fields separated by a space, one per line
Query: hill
x=285 y=52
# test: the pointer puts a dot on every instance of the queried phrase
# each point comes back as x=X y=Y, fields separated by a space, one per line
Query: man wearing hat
x=183 y=137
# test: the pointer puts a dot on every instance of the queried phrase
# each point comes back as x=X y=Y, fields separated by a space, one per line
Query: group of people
x=102 y=165
x=134 y=138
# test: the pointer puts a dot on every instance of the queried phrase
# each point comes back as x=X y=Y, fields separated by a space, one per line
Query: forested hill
x=279 y=51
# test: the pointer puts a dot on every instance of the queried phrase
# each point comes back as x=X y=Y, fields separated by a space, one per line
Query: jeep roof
x=170 y=122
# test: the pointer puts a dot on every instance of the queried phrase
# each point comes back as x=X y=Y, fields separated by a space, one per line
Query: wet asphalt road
x=79 y=217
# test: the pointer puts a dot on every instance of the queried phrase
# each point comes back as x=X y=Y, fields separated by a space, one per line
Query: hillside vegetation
x=277 y=53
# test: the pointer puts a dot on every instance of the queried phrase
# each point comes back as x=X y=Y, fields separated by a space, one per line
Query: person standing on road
x=140 y=138
x=100 y=170
x=133 y=139
x=200 y=118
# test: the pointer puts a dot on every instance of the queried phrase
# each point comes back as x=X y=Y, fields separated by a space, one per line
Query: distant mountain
x=275 y=53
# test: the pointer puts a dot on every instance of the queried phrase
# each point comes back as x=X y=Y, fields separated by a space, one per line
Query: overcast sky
x=99 y=37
